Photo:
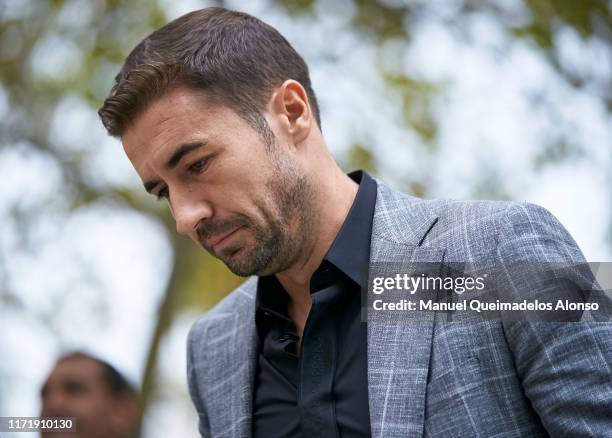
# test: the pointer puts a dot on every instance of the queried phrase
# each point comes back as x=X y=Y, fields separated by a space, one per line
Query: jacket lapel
x=245 y=381
x=232 y=378
x=399 y=348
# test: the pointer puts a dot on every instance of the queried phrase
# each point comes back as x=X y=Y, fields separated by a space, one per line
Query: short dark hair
x=113 y=379
x=234 y=58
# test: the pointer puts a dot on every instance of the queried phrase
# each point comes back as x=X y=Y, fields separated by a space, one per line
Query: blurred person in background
x=101 y=400
x=218 y=117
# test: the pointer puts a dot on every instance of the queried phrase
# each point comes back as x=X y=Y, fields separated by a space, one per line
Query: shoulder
x=237 y=304
x=491 y=217
x=531 y=232
x=449 y=212
x=512 y=230
x=474 y=229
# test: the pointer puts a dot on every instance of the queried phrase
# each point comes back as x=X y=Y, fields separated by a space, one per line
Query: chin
x=235 y=261
x=245 y=265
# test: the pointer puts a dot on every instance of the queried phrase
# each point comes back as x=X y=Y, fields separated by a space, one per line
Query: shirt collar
x=350 y=250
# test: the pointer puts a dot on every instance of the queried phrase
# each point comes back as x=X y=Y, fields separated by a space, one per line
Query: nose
x=188 y=213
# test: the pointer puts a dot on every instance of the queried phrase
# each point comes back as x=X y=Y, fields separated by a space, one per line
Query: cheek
x=246 y=167
x=240 y=195
x=239 y=185
x=95 y=410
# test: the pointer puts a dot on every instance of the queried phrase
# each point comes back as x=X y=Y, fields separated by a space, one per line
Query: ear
x=290 y=104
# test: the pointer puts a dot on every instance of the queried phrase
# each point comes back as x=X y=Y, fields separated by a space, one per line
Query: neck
x=335 y=196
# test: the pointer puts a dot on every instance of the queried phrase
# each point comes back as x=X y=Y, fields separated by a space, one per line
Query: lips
x=216 y=241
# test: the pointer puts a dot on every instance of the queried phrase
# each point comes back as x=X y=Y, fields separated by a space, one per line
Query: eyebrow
x=183 y=150
x=173 y=161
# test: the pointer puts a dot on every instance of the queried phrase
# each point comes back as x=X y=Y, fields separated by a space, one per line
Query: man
x=93 y=392
x=217 y=115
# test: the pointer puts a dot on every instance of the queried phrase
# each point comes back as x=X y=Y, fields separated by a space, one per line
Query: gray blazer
x=428 y=378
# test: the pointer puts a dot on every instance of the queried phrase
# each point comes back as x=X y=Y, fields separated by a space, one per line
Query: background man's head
x=216 y=113
x=95 y=393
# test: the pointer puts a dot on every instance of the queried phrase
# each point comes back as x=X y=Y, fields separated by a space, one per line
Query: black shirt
x=323 y=391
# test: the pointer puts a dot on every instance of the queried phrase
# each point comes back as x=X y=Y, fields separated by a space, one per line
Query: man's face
x=247 y=201
x=76 y=388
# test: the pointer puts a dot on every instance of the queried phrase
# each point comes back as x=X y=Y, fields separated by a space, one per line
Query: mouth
x=219 y=241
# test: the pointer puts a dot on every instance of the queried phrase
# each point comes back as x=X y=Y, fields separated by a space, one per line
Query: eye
x=162 y=194
x=200 y=165
x=75 y=388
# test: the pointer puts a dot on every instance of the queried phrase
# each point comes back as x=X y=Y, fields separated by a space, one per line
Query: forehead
x=180 y=115
x=76 y=368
